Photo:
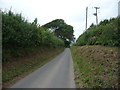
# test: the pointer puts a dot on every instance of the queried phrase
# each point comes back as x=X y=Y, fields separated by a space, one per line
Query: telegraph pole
x=86 y=17
x=96 y=15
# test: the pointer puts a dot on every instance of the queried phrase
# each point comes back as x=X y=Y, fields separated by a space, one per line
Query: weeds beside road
x=95 y=66
x=20 y=67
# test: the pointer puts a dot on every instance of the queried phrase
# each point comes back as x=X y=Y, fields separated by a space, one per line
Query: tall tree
x=61 y=30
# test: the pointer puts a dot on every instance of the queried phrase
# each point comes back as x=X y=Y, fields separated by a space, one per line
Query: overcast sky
x=72 y=11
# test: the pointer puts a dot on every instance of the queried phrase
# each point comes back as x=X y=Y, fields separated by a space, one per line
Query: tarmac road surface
x=58 y=73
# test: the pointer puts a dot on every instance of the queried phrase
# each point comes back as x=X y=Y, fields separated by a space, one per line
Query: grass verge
x=95 y=66
x=18 y=68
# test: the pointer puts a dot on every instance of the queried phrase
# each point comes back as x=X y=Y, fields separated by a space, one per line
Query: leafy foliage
x=106 y=33
x=61 y=30
x=19 y=33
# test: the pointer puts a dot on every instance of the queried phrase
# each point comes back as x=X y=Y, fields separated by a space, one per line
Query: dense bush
x=19 y=32
x=106 y=33
x=19 y=36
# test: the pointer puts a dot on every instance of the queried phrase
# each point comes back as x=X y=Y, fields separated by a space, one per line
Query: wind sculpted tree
x=61 y=30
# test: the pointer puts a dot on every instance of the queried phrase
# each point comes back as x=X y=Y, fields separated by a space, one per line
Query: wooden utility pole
x=96 y=15
x=86 y=17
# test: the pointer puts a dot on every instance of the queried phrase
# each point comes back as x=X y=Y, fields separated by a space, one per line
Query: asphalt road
x=58 y=73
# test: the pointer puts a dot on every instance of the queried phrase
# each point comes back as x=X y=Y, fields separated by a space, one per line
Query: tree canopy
x=61 y=30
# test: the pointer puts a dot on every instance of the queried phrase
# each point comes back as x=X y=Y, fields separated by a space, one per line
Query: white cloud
x=72 y=11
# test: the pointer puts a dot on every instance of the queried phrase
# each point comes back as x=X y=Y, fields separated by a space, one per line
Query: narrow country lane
x=58 y=73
